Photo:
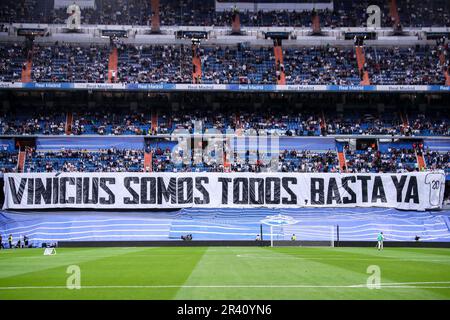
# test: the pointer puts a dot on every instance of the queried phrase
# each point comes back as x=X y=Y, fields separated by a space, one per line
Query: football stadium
x=225 y=150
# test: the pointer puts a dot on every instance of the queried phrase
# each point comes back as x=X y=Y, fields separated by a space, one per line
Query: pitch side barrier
x=246 y=243
x=129 y=190
x=55 y=140
x=171 y=87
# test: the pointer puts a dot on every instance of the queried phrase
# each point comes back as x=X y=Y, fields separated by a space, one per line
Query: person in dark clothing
x=1 y=242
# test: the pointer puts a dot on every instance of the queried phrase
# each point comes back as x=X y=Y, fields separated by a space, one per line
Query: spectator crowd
x=345 y=13
x=111 y=120
x=234 y=64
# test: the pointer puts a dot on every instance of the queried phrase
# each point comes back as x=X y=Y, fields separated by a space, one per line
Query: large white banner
x=409 y=191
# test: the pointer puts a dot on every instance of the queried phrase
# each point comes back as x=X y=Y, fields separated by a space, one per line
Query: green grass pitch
x=226 y=273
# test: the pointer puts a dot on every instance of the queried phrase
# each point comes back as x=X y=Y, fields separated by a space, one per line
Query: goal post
x=49 y=251
x=276 y=234
x=305 y=236
x=286 y=231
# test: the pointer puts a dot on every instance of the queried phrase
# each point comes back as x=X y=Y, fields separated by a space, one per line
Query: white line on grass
x=343 y=258
x=398 y=285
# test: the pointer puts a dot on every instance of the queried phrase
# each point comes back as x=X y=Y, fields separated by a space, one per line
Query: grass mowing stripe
x=33 y=260
x=124 y=270
x=251 y=272
x=391 y=270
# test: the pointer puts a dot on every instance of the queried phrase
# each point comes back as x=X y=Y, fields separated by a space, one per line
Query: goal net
x=297 y=235
x=287 y=231
x=49 y=251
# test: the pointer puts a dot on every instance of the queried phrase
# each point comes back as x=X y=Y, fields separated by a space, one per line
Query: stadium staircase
x=148 y=156
x=341 y=156
x=26 y=70
x=342 y=161
x=235 y=23
x=442 y=62
x=315 y=23
x=196 y=65
x=69 y=122
x=421 y=162
x=154 y=121
x=278 y=51
x=442 y=57
x=323 y=123
x=393 y=12
x=112 y=66
x=361 y=59
x=405 y=121
x=21 y=161
x=155 y=21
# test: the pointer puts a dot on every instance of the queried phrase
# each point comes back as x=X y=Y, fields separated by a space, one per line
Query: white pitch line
x=399 y=285
x=343 y=258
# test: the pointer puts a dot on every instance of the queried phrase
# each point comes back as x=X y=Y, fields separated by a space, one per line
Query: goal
x=305 y=236
x=287 y=231
x=49 y=251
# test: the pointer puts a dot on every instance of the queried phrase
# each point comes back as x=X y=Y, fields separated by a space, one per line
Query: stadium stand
x=68 y=63
x=304 y=122
x=154 y=64
x=110 y=160
x=238 y=65
x=419 y=65
x=346 y=13
x=63 y=62
x=8 y=161
x=294 y=155
x=321 y=65
x=11 y=62
x=323 y=88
